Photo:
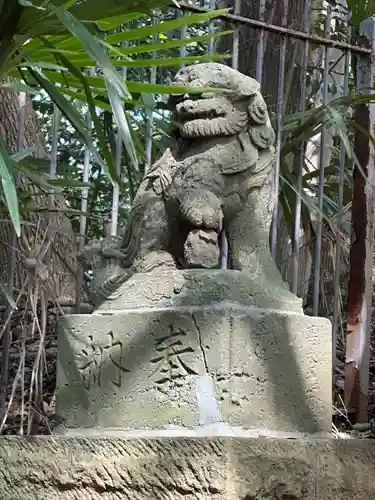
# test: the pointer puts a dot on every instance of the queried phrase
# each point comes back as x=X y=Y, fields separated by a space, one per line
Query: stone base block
x=185 y=468
x=191 y=366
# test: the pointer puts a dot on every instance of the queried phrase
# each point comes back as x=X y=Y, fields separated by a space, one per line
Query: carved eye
x=262 y=137
x=258 y=111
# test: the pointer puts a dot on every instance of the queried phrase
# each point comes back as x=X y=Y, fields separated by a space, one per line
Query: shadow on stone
x=171 y=364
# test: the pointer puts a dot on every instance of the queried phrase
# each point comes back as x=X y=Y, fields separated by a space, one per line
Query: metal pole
x=83 y=218
x=260 y=49
x=281 y=30
x=210 y=48
x=118 y=158
x=301 y=158
x=236 y=36
x=280 y=120
x=150 y=112
x=340 y=203
x=322 y=165
x=184 y=31
x=116 y=186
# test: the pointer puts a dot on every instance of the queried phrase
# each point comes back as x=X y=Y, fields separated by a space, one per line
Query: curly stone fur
x=217 y=175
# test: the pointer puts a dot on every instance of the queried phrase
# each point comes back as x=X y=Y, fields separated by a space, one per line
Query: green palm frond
x=299 y=129
x=360 y=10
x=48 y=45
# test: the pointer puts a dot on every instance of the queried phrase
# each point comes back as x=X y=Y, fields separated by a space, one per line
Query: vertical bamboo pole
x=7 y=336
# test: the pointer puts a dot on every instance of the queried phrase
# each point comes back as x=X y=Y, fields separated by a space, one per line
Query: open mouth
x=207 y=117
x=186 y=116
x=191 y=109
x=203 y=127
x=200 y=118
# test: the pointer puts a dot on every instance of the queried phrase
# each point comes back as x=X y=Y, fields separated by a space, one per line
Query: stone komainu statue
x=217 y=174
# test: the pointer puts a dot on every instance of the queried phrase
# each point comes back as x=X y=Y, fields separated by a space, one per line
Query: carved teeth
x=201 y=114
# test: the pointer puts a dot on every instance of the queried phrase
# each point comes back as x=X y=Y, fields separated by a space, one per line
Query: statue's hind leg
x=248 y=240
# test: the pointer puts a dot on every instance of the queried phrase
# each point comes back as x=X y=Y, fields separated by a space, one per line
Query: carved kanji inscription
x=171 y=351
x=95 y=357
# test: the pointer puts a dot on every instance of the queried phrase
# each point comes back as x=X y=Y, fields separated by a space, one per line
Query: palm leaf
x=62 y=42
x=70 y=112
x=96 y=10
x=148 y=31
x=9 y=189
x=91 y=104
x=360 y=10
x=116 y=87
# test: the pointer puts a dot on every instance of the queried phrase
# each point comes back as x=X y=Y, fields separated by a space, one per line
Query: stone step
x=217 y=468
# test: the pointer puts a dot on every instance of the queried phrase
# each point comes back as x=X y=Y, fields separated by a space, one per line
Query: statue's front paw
x=212 y=219
x=205 y=217
x=193 y=215
x=202 y=210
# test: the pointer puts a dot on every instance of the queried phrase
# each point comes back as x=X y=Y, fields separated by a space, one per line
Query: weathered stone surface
x=191 y=366
x=200 y=287
x=201 y=249
x=44 y=468
x=217 y=174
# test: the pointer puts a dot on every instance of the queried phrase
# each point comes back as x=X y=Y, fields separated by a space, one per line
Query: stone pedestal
x=165 y=391
x=187 y=367
x=187 y=349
